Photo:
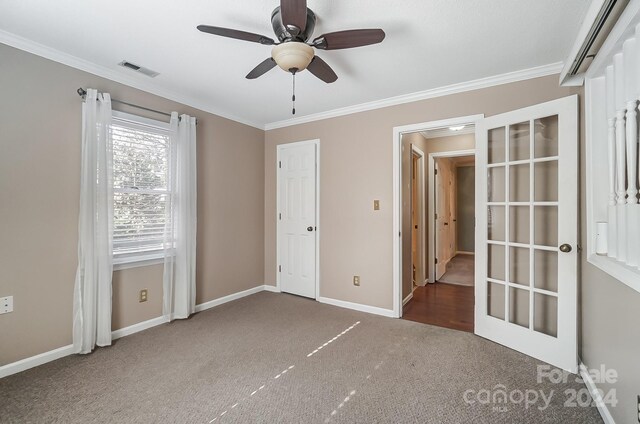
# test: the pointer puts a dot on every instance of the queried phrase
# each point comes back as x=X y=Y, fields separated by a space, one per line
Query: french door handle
x=565 y=248
x=309 y=228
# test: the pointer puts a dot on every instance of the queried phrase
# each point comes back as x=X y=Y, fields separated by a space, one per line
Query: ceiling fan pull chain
x=293 y=97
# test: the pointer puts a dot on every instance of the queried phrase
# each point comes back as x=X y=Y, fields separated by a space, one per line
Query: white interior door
x=297 y=220
x=527 y=231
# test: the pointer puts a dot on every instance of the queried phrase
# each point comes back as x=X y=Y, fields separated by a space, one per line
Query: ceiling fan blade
x=264 y=66
x=234 y=33
x=320 y=69
x=348 y=39
x=294 y=12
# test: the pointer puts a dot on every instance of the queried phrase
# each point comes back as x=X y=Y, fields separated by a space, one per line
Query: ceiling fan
x=293 y=25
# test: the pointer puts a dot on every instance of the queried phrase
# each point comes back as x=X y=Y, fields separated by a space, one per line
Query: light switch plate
x=376 y=205
x=6 y=304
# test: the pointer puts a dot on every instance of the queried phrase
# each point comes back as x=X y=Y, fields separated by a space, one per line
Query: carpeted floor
x=275 y=358
x=460 y=270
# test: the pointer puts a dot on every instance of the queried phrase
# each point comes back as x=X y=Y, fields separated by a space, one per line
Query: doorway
x=453 y=225
x=440 y=292
x=297 y=218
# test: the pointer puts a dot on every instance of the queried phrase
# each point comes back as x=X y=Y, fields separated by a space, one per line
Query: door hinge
x=436 y=260
x=279 y=268
x=280 y=216
x=436 y=216
x=399 y=233
x=435 y=172
x=279 y=164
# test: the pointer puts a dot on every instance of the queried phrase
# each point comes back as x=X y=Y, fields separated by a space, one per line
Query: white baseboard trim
x=270 y=288
x=215 y=302
x=595 y=394
x=407 y=299
x=357 y=307
x=34 y=361
x=52 y=355
x=135 y=328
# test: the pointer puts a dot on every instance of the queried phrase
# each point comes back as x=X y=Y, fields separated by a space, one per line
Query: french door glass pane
x=519 y=306
x=519 y=224
x=496 y=184
x=496 y=259
x=495 y=300
x=497 y=145
x=546 y=137
x=545 y=314
x=545 y=270
x=519 y=265
x=496 y=222
x=545 y=224
x=519 y=141
x=546 y=181
x=519 y=183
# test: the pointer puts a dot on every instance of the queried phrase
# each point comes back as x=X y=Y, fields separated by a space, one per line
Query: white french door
x=297 y=218
x=527 y=231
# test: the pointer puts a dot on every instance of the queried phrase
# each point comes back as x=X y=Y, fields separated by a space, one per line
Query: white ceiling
x=429 y=44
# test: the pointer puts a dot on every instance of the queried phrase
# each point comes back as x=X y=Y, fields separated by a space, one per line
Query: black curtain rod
x=83 y=93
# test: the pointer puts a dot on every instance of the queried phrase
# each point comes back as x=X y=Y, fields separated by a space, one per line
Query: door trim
x=397 y=190
x=279 y=148
x=432 y=202
x=422 y=234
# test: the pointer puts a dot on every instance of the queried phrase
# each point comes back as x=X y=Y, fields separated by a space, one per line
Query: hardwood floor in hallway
x=442 y=304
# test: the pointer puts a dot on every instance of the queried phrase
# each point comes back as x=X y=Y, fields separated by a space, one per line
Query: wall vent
x=141 y=69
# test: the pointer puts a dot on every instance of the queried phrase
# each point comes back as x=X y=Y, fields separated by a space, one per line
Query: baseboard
x=135 y=328
x=52 y=355
x=270 y=288
x=462 y=252
x=34 y=361
x=595 y=394
x=357 y=307
x=215 y=302
x=407 y=299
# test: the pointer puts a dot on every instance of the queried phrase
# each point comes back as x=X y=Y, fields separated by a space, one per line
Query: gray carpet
x=227 y=365
x=460 y=270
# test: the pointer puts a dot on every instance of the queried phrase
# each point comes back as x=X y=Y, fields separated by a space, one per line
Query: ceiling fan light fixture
x=292 y=55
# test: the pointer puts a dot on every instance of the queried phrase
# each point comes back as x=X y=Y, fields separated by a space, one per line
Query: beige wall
x=354 y=239
x=39 y=186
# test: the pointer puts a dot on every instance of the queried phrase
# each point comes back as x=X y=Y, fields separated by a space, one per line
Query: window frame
x=596 y=138
x=150 y=257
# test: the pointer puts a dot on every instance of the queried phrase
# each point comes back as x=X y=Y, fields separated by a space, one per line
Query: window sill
x=138 y=260
x=626 y=274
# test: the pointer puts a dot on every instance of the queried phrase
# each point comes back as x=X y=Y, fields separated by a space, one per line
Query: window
x=140 y=187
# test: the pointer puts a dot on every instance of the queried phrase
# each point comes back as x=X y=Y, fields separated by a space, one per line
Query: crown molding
x=525 y=74
x=38 y=49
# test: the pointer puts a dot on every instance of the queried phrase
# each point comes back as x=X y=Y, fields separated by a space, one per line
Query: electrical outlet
x=356 y=280
x=6 y=304
x=143 y=295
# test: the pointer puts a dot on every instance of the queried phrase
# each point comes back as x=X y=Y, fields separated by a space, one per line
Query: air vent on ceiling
x=146 y=71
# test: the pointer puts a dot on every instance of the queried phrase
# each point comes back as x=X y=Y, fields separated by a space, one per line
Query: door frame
x=279 y=148
x=422 y=213
x=432 y=202
x=397 y=191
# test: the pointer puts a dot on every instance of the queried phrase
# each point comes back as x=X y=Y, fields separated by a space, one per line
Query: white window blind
x=140 y=186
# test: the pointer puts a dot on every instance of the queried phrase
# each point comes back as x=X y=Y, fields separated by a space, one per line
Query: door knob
x=309 y=228
x=565 y=248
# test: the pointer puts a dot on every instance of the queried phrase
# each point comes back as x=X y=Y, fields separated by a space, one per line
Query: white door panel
x=526 y=206
x=297 y=223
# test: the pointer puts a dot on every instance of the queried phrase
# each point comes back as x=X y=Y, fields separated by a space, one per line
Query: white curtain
x=179 y=279
x=92 y=292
